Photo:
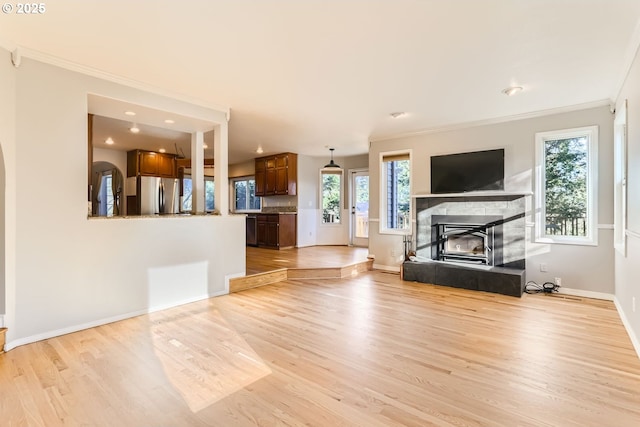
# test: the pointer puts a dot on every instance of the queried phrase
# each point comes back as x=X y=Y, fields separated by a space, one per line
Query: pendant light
x=331 y=164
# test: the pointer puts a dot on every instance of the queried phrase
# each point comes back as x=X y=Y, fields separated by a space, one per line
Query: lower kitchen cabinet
x=252 y=230
x=276 y=231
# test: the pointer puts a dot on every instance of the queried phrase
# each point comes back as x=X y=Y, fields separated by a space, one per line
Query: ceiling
x=303 y=76
x=158 y=130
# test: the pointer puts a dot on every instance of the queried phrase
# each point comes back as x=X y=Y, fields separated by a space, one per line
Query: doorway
x=359 y=199
x=106 y=189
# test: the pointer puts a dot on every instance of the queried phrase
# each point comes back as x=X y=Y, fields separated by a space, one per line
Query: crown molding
x=114 y=78
x=497 y=120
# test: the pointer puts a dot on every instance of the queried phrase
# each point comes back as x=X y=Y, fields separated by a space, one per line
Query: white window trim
x=620 y=180
x=232 y=195
x=383 y=229
x=591 y=239
x=334 y=171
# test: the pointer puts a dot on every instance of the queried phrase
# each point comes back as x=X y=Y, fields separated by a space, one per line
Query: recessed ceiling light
x=512 y=90
x=162 y=150
x=134 y=129
x=398 y=114
x=169 y=121
x=205 y=146
x=259 y=150
x=130 y=113
x=109 y=141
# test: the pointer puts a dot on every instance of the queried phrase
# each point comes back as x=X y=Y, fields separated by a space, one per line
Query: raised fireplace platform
x=501 y=280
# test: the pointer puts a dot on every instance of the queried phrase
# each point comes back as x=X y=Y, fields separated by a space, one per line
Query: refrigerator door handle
x=161 y=197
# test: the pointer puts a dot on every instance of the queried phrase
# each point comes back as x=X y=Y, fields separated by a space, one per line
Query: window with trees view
x=395 y=185
x=331 y=181
x=566 y=163
x=244 y=195
x=187 y=193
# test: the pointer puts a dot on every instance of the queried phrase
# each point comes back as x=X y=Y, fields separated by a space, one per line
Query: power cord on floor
x=547 y=287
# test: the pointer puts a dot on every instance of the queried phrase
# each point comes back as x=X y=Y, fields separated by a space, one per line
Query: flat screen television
x=473 y=171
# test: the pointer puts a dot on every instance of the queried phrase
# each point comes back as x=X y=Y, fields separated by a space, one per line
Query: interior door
x=359 y=199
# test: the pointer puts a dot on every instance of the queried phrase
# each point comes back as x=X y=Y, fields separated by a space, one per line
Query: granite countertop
x=179 y=215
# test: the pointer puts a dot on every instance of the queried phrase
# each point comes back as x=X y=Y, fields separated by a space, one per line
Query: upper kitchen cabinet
x=150 y=163
x=277 y=175
x=261 y=177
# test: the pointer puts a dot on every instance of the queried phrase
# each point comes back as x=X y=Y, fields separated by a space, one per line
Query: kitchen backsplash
x=276 y=209
x=273 y=204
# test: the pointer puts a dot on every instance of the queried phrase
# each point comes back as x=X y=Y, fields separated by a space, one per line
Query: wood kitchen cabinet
x=261 y=177
x=276 y=231
x=277 y=175
x=150 y=163
x=252 y=230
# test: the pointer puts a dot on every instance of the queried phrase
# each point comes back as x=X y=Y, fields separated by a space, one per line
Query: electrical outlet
x=543 y=267
x=633 y=304
x=558 y=282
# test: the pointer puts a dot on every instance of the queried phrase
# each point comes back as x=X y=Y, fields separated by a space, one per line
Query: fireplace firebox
x=471 y=239
x=472 y=243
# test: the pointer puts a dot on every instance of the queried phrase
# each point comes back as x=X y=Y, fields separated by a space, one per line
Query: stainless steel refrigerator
x=159 y=195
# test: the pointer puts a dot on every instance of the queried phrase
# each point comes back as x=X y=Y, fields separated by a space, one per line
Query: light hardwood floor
x=366 y=351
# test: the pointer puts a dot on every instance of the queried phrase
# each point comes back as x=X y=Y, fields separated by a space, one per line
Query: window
x=620 y=180
x=187 y=191
x=244 y=194
x=566 y=180
x=331 y=182
x=106 y=198
x=395 y=192
x=209 y=194
x=186 y=194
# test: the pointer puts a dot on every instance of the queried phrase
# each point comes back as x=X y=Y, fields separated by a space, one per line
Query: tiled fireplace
x=504 y=214
x=471 y=241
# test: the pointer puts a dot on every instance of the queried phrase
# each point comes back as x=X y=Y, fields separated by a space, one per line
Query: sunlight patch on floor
x=204 y=371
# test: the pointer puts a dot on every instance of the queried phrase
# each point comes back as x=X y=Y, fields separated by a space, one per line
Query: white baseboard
x=627 y=326
x=586 y=294
x=75 y=328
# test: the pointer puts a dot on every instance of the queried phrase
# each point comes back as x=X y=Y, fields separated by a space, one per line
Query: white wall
x=627 y=268
x=517 y=138
x=73 y=272
x=308 y=213
x=242 y=169
x=115 y=157
x=7 y=188
x=310 y=230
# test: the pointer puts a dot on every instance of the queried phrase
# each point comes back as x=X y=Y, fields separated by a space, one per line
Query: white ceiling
x=307 y=75
x=111 y=121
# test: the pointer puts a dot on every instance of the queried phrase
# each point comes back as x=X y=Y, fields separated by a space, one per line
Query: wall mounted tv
x=474 y=171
